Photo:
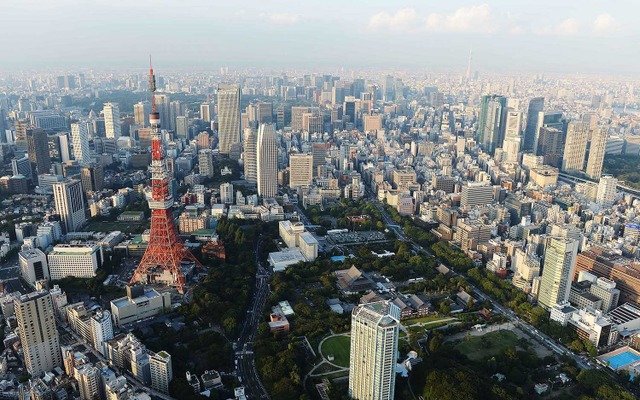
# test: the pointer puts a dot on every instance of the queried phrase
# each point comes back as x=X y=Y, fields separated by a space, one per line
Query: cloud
x=283 y=18
x=474 y=19
x=402 y=20
x=604 y=25
x=566 y=27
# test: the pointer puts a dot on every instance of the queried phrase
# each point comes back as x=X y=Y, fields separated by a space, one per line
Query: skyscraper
x=374 y=344
x=182 y=127
x=596 y=152
x=80 y=141
x=319 y=151
x=575 y=147
x=559 y=264
x=607 y=190
x=228 y=116
x=111 y=120
x=536 y=105
x=20 y=127
x=141 y=113
x=490 y=121
x=512 y=137
x=300 y=170
x=206 y=112
x=551 y=145
x=205 y=163
x=92 y=176
x=267 y=161
x=38 y=333
x=250 y=155
x=38 y=151
x=69 y=203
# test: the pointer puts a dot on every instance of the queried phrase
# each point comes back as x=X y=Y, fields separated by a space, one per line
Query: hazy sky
x=507 y=35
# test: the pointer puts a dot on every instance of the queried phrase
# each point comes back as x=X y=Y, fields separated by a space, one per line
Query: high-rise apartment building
x=38 y=151
x=596 y=152
x=512 y=137
x=490 y=122
x=300 y=170
x=69 y=202
x=607 y=190
x=89 y=381
x=536 y=106
x=206 y=112
x=250 y=155
x=161 y=371
x=205 y=163
x=575 y=146
x=141 y=112
x=228 y=117
x=374 y=344
x=21 y=127
x=80 y=142
x=557 y=272
x=112 y=120
x=38 y=333
x=267 y=161
x=226 y=193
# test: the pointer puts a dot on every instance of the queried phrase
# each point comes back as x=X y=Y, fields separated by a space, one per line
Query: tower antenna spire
x=152 y=86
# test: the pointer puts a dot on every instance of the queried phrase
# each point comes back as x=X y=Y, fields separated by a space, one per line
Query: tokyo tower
x=164 y=255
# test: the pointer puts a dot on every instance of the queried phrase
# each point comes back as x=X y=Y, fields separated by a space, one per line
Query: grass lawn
x=479 y=347
x=339 y=346
x=429 y=318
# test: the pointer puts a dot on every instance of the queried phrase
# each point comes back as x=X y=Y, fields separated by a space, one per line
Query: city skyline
x=504 y=36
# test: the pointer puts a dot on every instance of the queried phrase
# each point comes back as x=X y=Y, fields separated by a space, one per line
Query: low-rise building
x=139 y=303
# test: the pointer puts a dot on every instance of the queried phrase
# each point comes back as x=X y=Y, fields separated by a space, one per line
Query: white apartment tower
x=206 y=112
x=228 y=117
x=557 y=272
x=267 y=161
x=575 y=146
x=250 y=154
x=607 y=190
x=141 y=112
x=596 y=152
x=80 y=141
x=300 y=170
x=161 y=371
x=111 y=120
x=38 y=333
x=102 y=329
x=374 y=344
x=226 y=193
x=69 y=202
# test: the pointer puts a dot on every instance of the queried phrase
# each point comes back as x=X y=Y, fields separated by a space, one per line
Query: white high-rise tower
x=228 y=117
x=559 y=264
x=374 y=344
x=267 y=161
x=69 y=202
x=575 y=146
x=80 y=141
x=250 y=154
x=596 y=152
x=111 y=120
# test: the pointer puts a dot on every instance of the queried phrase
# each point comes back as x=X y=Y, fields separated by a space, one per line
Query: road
x=524 y=326
x=245 y=359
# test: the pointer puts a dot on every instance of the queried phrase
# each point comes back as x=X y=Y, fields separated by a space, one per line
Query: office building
x=319 y=151
x=38 y=152
x=491 y=121
x=374 y=344
x=267 y=161
x=472 y=233
x=141 y=112
x=536 y=106
x=264 y=113
x=139 y=303
x=33 y=266
x=596 y=152
x=38 y=333
x=80 y=142
x=559 y=264
x=476 y=194
x=575 y=146
x=21 y=166
x=20 y=141
x=512 y=137
x=77 y=260
x=228 y=117
x=161 y=371
x=69 y=202
x=551 y=145
x=92 y=177
x=112 y=120
x=250 y=155
x=607 y=186
x=182 y=127
x=300 y=170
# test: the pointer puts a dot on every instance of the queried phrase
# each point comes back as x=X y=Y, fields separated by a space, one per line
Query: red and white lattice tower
x=164 y=255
